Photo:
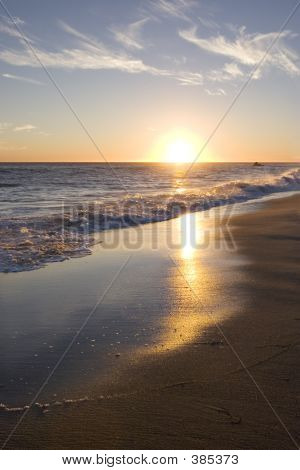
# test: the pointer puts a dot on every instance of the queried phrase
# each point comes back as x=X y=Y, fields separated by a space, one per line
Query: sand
x=189 y=349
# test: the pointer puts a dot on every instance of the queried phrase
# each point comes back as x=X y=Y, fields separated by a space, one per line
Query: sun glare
x=177 y=146
x=180 y=151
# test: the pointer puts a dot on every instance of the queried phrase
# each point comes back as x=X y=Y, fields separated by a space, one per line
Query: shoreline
x=179 y=385
x=31 y=244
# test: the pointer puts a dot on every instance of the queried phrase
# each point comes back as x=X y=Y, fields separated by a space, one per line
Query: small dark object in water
x=257 y=164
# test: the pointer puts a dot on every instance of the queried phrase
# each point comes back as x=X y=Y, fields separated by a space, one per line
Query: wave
x=29 y=243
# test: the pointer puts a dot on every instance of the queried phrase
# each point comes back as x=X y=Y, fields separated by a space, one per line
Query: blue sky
x=135 y=71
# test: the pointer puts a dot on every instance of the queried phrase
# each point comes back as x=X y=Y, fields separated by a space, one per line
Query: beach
x=149 y=233
x=183 y=348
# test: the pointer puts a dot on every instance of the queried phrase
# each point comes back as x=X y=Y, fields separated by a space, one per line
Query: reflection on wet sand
x=192 y=288
x=197 y=396
x=150 y=310
x=187 y=251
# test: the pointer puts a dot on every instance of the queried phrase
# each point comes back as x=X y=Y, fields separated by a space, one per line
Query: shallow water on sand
x=51 y=212
x=148 y=310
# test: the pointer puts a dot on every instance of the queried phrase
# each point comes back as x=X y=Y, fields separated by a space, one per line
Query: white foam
x=28 y=243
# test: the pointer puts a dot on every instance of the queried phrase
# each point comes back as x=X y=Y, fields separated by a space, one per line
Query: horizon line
x=141 y=162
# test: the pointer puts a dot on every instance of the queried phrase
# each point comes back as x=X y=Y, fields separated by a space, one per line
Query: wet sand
x=189 y=349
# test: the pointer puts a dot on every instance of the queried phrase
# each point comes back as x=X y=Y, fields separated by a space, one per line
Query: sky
x=148 y=80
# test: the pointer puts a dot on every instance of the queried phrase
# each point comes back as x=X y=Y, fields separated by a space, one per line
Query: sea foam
x=31 y=242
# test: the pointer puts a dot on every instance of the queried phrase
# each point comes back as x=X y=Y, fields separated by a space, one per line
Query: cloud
x=7 y=26
x=9 y=29
x=83 y=37
x=233 y=70
x=130 y=36
x=208 y=23
x=90 y=54
x=88 y=57
x=175 y=8
x=217 y=92
x=22 y=79
x=248 y=49
x=4 y=126
x=14 y=20
x=25 y=127
x=179 y=9
x=9 y=127
x=189 y=78
x=230 y=71
x=12 y=28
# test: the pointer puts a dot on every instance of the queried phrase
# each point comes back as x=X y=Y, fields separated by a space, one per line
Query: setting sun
x=177 y=146
x=180 y=151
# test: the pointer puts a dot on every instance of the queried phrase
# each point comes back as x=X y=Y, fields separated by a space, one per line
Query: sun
x=180 y=150
x=177 y=146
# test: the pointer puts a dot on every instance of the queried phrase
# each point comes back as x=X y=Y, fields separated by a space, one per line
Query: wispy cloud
x=14 y=20
x=91 y=54
x=10 y=27
x=230 y=71
x=233 y=70
x=217 y=92
x=22 y=79
x=7 y=26
x=88 y=56
x=130 y=37
x=25 y=127
x=175 y=8
x=4 y=126
x=189 y=78
x=8 y=127
x=208 y=22
x=248 y=49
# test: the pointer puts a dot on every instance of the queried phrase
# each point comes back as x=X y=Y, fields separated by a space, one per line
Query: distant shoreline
x=150 y=163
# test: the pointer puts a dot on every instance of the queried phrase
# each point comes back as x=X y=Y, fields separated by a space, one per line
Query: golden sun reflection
x=188 y=232
x=191 y=291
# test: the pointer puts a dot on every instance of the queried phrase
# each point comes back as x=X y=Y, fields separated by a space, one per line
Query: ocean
x=49 y=212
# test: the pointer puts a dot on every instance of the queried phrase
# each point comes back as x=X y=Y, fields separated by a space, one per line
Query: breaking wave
x=29 y=243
